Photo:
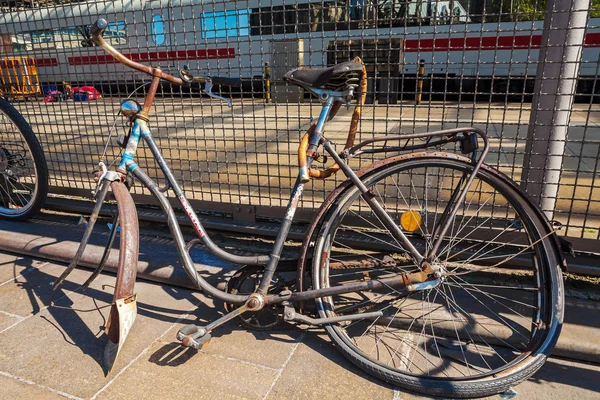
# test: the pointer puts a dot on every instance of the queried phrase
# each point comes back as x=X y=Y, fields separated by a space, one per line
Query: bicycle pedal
x=193 y=336
x=186 y=331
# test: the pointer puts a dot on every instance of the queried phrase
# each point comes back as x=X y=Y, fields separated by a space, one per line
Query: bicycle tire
x=19 y=145
x=546 y=318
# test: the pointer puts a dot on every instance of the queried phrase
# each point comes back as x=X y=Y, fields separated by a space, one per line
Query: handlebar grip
x=98 y=27
x=233 y=82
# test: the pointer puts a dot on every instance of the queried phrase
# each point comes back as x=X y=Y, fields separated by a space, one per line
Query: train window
x=225 y=24
x=42 y=39
x=116 y=33
x=354 y=14
x=158 y=30
x=295 y=18
x=64 y=38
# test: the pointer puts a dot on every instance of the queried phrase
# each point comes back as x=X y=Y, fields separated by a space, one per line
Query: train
x=458 y=51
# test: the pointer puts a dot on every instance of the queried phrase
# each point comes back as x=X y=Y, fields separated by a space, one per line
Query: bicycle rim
x=20 y=175
x=485 y=319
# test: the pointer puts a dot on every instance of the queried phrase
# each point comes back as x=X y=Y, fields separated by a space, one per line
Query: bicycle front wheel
x=23 y=170
x=493 y=317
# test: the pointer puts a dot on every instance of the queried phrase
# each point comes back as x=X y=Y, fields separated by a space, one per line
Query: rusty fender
x=123 y=309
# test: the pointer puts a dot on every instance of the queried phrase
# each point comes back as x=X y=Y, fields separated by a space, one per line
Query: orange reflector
x=410 y=221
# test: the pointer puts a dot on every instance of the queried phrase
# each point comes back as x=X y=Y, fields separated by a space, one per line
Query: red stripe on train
x=205 y=54
x=485 y=43
x=46 y=62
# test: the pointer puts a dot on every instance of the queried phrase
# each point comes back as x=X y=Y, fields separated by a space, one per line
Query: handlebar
x=188 y=79
x=97 y=30
x=98 y=27
x=233 y=82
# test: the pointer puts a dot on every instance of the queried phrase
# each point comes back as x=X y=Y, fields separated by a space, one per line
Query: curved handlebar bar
x=97 y=30
x=233 y=82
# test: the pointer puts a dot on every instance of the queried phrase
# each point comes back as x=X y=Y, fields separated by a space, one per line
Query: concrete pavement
x=51 y=344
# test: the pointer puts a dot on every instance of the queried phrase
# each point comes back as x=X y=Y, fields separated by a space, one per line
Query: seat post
x=315 y=136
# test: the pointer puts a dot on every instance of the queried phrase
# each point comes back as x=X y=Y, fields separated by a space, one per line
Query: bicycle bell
x=130 y=108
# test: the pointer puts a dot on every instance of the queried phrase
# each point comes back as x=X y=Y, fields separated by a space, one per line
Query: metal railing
x=525 y=72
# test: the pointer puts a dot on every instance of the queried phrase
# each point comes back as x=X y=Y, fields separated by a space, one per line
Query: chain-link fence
x=431 y=65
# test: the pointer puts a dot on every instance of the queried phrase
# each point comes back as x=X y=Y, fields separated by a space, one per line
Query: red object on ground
x=52 y=96
x=85 y=93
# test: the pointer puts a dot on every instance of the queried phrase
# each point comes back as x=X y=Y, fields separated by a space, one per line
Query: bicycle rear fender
x=332 y=197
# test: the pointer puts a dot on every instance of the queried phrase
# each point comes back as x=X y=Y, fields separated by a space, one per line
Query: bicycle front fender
x=124 y=306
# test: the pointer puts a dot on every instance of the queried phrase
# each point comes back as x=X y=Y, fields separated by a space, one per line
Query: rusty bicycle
x=428 y=269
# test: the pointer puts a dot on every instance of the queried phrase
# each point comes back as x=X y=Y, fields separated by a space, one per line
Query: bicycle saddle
x=333 y=78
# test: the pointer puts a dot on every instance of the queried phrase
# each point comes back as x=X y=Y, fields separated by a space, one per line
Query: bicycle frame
x=309 y=145
x=140 y=130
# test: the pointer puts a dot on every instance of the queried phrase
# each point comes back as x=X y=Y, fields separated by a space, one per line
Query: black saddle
x=335 y=78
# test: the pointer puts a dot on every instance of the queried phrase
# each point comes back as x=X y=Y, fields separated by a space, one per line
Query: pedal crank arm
x=106 y=254
x=197 y=336
x=101 y=195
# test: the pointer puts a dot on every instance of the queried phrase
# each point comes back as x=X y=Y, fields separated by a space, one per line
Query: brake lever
x=208 y=90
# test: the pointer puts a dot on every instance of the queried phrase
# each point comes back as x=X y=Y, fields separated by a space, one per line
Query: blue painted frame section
x=138 y=130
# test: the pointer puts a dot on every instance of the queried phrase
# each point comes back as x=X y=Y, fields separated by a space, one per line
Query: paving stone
x=12 y=266
x=562 y=379
x=62 y=346
x=269 y=349
x=7 y=320
x=17 y=390
x=317 y=370
x=189 y=375
x=32 y=291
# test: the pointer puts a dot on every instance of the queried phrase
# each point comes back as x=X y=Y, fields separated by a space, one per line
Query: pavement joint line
x=28 y=382
x=27 y=270
x=184 y=316
x=39 y=311
x=300 y=338
x=11 y=314
x=240 y=361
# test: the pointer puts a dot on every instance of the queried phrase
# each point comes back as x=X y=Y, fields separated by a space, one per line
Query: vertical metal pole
x=267 y=83
x=420 y=74
x=556 y=81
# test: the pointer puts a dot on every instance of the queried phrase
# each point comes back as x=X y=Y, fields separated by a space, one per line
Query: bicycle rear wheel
x=23 y=170
x=496 y=313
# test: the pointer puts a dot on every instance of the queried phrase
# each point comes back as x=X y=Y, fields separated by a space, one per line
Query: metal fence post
x=556 y=81
x=420 y=74
x=267 y=83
